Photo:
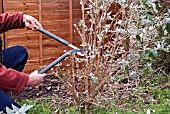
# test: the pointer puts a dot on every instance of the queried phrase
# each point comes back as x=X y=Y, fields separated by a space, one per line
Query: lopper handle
x=59 y=60
x=52 y=36
x=54 y=63
x=57 y=38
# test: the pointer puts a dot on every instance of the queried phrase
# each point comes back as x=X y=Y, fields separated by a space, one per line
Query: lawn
x=118 y=97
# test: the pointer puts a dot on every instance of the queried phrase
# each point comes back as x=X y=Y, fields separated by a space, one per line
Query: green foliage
x=161 y=31
x=41 y=106
x=148 y=25
x=153 y=54
x=168 y=27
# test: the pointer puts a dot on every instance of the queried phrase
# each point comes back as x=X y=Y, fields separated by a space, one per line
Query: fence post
x=71 y=20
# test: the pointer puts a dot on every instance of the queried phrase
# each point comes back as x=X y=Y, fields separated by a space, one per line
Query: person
x=14 y=59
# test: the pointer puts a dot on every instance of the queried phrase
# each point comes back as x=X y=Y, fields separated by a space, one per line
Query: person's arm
x=12 y=80
x=11 y=21
x=17 y=20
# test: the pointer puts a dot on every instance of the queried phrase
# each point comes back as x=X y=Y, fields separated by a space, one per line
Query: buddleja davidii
x=103 y=48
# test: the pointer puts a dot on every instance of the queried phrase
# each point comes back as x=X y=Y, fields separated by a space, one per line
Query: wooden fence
x=56 y=16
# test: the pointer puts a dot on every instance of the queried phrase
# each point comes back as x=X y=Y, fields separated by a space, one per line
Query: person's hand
x=35 y=79
x=31 y=22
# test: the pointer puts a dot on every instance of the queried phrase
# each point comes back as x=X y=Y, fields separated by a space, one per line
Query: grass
x=45 y=107
x=157 y=102
x=41 y=106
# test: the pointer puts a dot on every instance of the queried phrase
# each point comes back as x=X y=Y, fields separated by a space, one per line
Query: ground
x=51 y=86
x=124 y=92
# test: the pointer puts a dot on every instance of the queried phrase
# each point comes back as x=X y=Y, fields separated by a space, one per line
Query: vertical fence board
x=71 y=21
x=40 y=35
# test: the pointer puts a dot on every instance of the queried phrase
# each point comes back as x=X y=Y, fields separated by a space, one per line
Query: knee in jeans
x=22 y=49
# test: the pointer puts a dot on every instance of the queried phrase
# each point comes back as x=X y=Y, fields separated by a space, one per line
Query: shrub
x=126 y=42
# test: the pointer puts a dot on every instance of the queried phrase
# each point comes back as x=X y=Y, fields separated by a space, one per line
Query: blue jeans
x=15 y=58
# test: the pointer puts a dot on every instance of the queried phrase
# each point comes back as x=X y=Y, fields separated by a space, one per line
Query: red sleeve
x=12 y=80
x=11 y=21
